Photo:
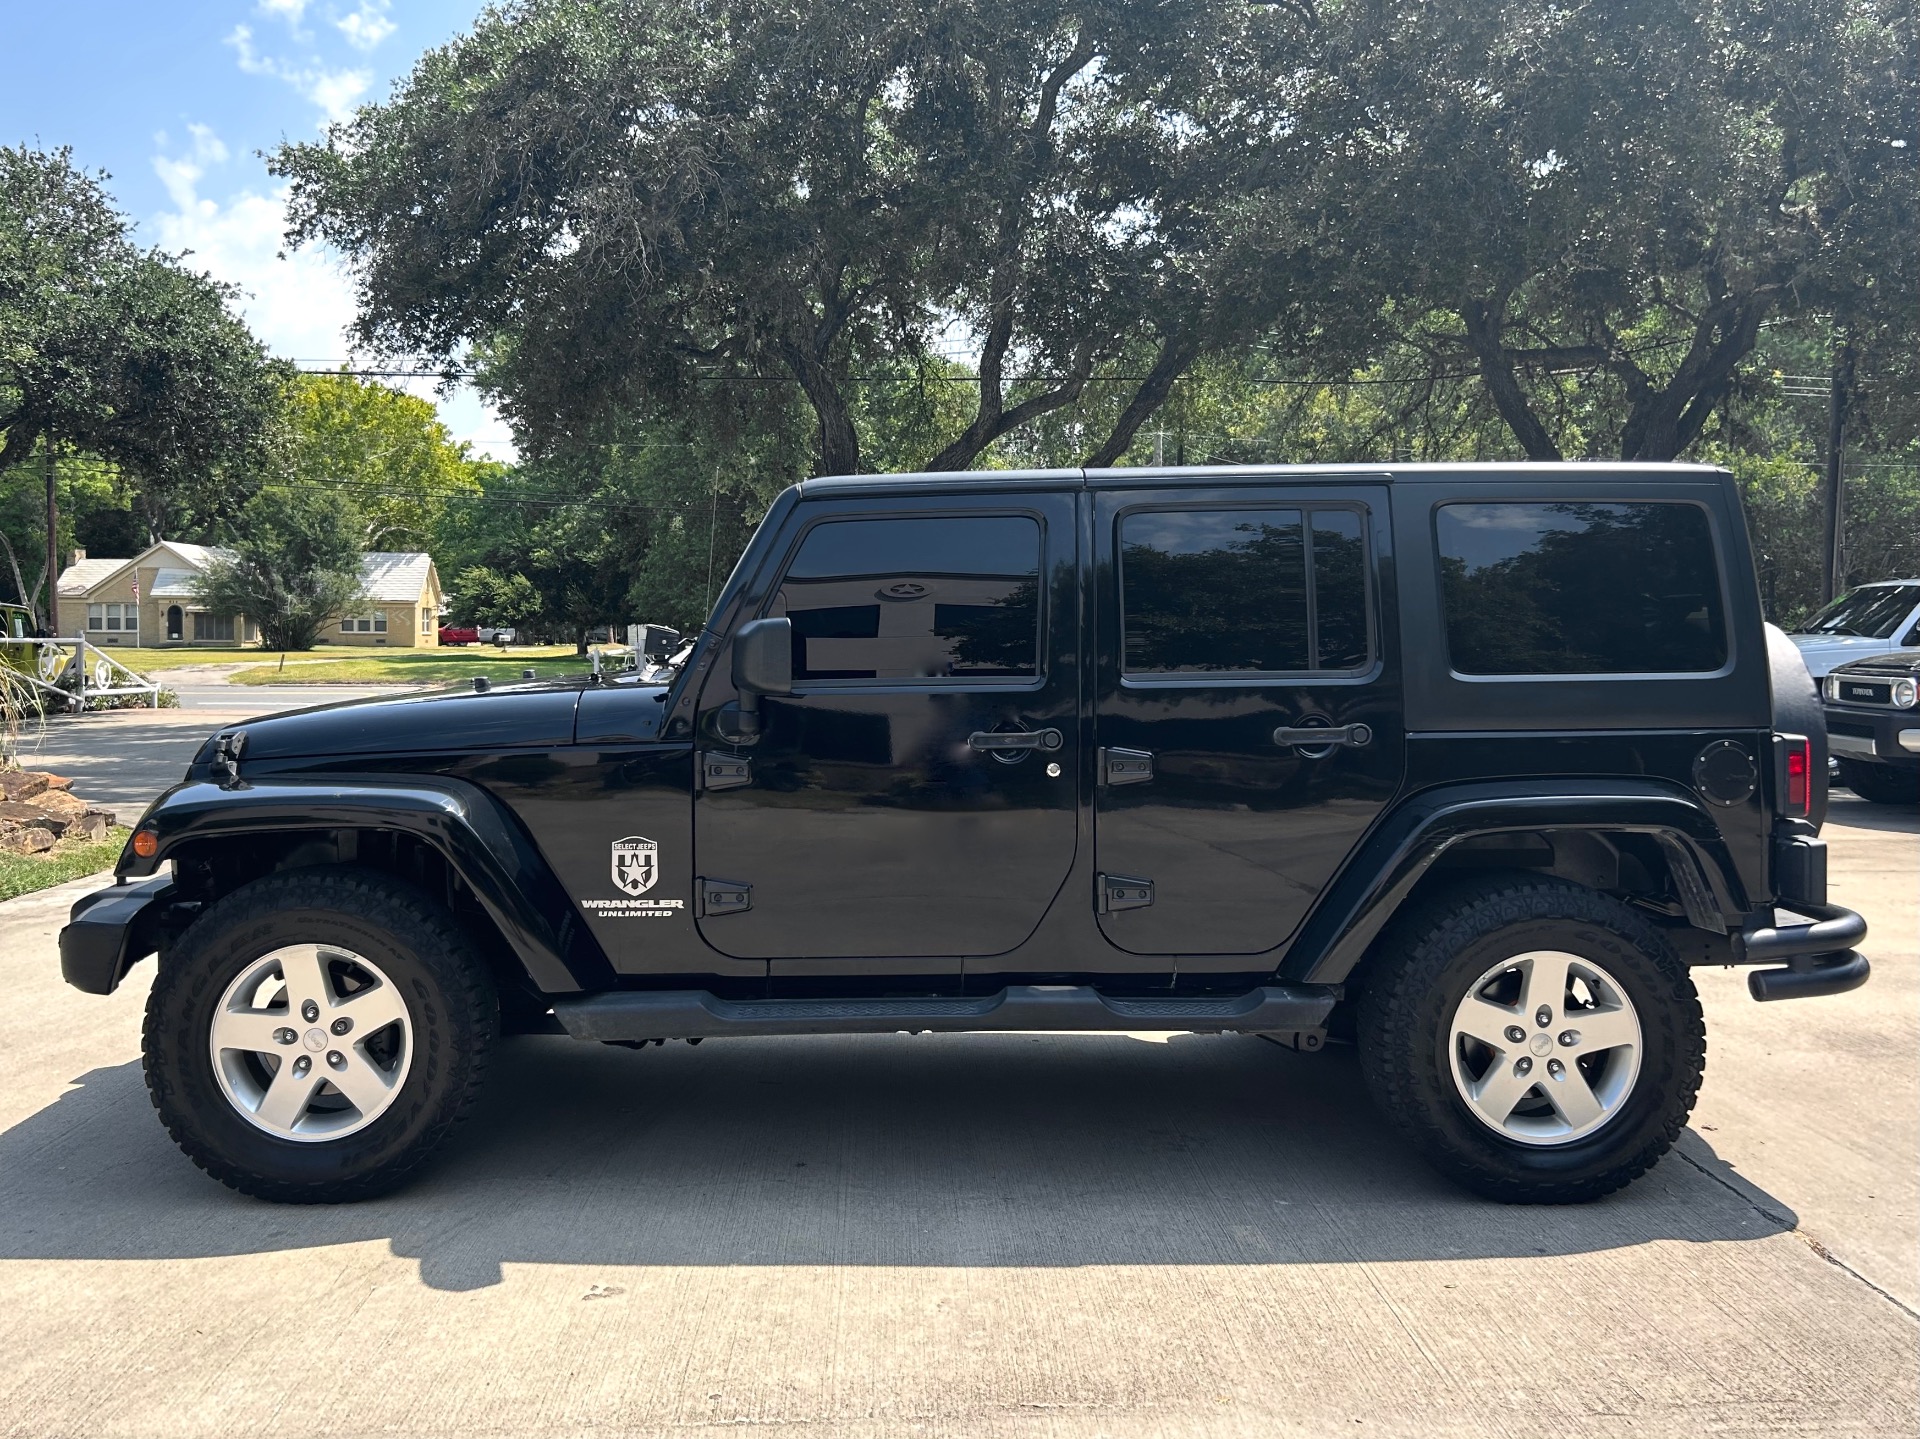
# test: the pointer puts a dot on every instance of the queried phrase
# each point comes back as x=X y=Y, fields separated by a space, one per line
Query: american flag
x=136 y=589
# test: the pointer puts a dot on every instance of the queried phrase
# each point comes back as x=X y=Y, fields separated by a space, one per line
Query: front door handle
x=1323 y=736
x=991 y=740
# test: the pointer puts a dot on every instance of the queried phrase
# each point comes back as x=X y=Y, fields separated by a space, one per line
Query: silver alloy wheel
x=311 y=1042
x=1545 y=1047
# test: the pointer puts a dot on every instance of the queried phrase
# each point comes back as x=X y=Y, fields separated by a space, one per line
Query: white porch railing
x=69 y=673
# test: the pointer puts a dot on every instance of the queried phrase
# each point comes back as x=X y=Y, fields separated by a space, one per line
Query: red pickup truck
x=459 y=635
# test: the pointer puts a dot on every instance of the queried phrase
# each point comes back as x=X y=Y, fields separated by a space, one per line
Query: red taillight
x=1799 y=776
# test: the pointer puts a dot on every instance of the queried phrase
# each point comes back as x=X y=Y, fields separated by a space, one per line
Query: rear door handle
x=1323 y=736
x=991 y=740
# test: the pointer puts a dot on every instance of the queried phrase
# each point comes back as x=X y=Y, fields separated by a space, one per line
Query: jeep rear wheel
x=1540 y=1042
x=316 y=1034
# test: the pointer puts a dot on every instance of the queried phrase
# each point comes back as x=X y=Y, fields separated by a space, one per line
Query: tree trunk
x=838 y=443
x=1484 y=336
x=1178 y=351
x=1663 y=420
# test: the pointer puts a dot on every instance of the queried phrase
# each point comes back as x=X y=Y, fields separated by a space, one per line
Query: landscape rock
x=23 y=784
x=56 y=801
x=32 y=840
x=94 y=824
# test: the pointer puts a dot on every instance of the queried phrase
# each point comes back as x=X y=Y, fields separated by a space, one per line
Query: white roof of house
x=396 y=577
x=82 y=575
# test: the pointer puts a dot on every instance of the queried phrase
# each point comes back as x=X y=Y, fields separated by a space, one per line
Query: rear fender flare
x=1405 y=844
x=470 y=829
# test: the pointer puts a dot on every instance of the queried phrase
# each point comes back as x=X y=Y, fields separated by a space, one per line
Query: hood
x=1823 y=652
x=441 y=720
x=1898 y=663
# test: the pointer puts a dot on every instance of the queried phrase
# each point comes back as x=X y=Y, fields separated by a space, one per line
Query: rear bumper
x=111 y=930
x=1819 y=955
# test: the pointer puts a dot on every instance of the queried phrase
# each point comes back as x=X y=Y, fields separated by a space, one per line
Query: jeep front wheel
x=316 y=1034
x=1540 y=1042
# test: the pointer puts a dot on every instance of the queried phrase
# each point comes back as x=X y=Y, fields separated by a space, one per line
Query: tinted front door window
x=910 y=599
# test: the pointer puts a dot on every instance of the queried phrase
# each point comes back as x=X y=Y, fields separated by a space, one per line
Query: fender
x=1404 y=846
x=471 y=830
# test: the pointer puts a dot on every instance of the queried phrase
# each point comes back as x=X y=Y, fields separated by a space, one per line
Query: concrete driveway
x=995 y=1235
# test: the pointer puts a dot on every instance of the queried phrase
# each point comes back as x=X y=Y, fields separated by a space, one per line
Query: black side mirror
x=763 y=658
x=762 y=665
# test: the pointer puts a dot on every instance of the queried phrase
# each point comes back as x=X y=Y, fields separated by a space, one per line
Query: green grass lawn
x=414 y=667
x=352 y=664
x=25 y=873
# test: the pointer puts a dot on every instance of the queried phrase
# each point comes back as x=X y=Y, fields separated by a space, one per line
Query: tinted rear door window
x=1580 y=588
x=1239 y=591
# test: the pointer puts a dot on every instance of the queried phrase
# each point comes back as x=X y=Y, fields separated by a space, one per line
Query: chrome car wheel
x=311 y=1042
x=1545 y=1047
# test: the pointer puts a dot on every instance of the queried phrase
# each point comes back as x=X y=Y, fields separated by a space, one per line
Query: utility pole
x=1834 y=572
x=51 y=622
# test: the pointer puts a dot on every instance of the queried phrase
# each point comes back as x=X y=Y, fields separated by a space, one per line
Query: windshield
x=1875 y=613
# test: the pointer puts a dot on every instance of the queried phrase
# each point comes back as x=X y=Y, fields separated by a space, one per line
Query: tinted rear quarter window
x=1577 y=587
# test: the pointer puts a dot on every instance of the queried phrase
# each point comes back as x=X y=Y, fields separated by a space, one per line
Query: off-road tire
x=1420 y=973
x=1881 y=783
x=450 y=999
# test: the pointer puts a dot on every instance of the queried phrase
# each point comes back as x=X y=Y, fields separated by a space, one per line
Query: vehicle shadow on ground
x=978 y=1151
x=1844 y=809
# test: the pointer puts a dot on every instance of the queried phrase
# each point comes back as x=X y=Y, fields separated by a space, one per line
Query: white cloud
x=366 y=27
x=290 y=11
x=336 y=92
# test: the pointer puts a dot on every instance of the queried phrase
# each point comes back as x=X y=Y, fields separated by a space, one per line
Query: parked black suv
x=1873 y=726
x=1466 y=764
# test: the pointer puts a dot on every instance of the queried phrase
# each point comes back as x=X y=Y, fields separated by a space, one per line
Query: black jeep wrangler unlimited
x=1464 y=764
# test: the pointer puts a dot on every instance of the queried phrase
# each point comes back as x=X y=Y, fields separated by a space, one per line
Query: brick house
x=98 y=598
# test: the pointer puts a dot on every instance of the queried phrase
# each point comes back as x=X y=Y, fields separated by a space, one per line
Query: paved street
x=1006 y=1235
x=122 y=759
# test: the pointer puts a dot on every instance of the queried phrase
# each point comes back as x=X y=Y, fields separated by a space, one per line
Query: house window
x=212 y=627
x=374 y=624
x=426 y=622
x=113 y=617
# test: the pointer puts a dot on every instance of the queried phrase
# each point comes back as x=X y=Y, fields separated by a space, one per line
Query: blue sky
x=174 y=98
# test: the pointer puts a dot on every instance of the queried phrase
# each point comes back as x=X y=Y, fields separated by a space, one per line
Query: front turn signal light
x=146 y=843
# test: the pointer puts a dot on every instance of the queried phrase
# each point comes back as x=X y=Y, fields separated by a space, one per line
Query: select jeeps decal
x=635 y=866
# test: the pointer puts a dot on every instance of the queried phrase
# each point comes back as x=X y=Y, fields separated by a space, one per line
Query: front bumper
x=1820 y=958
x=1890 y=736
x=111 y=930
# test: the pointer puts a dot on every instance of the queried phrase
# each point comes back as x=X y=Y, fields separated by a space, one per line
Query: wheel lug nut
x=1569 y=1037
x=1543 y=1016
x=336 y=1060
x=283 y=1035
x=1516 y=1034
x=1523 y=1066
x=301 y=1066
x=311 y=1011
x=343 y=1024
x=1556 y=1069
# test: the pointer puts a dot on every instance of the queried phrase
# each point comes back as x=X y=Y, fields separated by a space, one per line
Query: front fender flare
x=468 y=827
x=1404 y=846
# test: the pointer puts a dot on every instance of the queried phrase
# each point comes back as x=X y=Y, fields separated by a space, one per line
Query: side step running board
x=629 y=1015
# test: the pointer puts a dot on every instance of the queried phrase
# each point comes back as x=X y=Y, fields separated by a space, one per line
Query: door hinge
x=725 y=771
x=1118 y=892
x=724 y=896
x=1125 y=766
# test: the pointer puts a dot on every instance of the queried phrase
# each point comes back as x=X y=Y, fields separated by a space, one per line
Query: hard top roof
x=1198 y=476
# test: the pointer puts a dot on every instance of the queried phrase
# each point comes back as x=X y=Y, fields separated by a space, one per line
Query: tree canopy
x=292 y=566
x=122 y=353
